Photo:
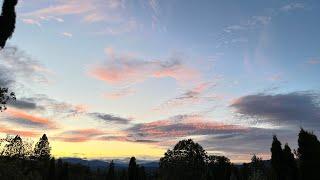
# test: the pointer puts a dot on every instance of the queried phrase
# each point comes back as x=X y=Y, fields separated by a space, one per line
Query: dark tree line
x=186 y=161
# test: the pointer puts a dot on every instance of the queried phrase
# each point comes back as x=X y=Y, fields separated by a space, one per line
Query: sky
x=121 y=78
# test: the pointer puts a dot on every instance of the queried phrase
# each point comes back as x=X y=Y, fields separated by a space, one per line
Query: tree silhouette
x=52 y=169
x=7 y=21
x=257 y=169
x=5 y=96
x=142 y=173
x=65 y=171
x=42 y=148
x=133 y=169
x=277 y=160
x=185 y=161
x=291 y=169
x=123 y=175
x=219 y=167
x=309 y=155
x=14 y=147
x=60 y=169
x=111 y=174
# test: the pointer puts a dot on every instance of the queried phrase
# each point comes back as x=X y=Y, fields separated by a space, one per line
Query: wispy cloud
x=83 y=135
x=67 y=34
x=25 y=104
x=181 y=126
x=126 y=69
x=24 y=118
x=80 y=135
x=22 y=67
x=108 y=118
x=197 y=94
x=10 y=131
x=292 y=6
x=31 y=22
x=120 y=93
x=88 y=11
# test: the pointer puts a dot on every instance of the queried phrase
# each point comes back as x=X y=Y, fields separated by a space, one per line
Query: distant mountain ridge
x=103 y=164
x=123 y=163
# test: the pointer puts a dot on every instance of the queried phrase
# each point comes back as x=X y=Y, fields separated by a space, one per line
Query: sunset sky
x=121 y=78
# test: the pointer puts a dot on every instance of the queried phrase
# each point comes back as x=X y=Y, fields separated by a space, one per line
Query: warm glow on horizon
x=102 y=149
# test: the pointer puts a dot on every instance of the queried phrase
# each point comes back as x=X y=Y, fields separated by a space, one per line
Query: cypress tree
x=132 y=169
x=291 y=170
x=277 y=158
x=309 y=155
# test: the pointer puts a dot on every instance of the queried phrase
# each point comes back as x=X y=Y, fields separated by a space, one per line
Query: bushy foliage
x=5 y=97
x=185 y=161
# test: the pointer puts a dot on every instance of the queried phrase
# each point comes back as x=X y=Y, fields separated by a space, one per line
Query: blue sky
x=146 y=73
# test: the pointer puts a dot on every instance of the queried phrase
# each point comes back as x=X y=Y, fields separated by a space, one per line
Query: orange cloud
x=21 y=115
x=6 y=130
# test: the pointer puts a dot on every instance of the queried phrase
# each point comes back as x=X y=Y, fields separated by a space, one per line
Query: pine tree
x=15 y=147
x=42 y=148
x=277 y=158
x=257 y=168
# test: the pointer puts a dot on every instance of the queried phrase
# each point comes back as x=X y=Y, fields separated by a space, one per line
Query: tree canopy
x=185 y=161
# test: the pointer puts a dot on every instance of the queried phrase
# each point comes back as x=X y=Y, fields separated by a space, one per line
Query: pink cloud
x=24 y=133
x=31 y=22
x=183 y=126
x=26 y=117
x=89 y=11
x=197 y=94
x=126 y=69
